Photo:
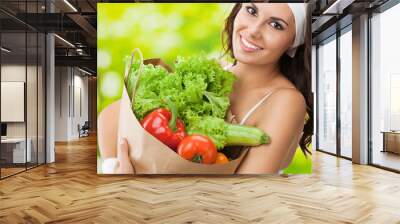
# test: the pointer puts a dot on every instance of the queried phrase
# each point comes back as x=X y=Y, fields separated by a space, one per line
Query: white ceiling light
x=337 y=7
x=84 y=71
x=70 y=5
x=65 y=41
x=5 y=50
x=79 y=51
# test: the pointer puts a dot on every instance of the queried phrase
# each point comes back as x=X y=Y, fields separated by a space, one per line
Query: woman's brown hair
x=296 y=69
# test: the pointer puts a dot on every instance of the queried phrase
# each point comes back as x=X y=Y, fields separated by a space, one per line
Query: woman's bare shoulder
x=288 y=94
x=288 y=98
x=287 y=102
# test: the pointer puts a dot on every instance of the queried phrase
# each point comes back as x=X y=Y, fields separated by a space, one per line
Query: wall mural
x=203 y=88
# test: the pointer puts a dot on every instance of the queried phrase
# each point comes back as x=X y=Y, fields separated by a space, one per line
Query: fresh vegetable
x=221 y=159
x=198 y=148
x=163 y=125
x=226 y=134
x=199 y=88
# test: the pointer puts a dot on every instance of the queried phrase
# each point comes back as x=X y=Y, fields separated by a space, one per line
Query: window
x=394 y=101
x=346 y=75
x=327 y=95
x=22 y=77
x=385 y=89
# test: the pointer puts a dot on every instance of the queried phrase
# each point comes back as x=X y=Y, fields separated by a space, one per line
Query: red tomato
x=198 y=148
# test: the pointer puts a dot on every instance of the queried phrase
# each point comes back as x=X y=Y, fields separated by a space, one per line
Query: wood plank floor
x=70 y=191
x=387 y=159
x=10 y=171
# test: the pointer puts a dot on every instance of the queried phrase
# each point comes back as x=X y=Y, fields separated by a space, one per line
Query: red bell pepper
x=198 y=148
x=164 y=125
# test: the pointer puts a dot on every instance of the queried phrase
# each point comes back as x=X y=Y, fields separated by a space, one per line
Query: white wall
x=70 y=83
x=62 y=81
x=12 y=101
x=13 y=73
x=80 y=100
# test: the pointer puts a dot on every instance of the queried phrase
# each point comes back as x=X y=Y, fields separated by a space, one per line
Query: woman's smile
x=248 y=46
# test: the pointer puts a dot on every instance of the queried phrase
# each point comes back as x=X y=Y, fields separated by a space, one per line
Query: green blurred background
x=160 y=30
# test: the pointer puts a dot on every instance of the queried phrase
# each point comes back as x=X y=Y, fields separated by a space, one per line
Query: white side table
x=19 y=155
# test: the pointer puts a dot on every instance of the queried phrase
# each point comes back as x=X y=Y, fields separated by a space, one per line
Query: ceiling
x=76 y=22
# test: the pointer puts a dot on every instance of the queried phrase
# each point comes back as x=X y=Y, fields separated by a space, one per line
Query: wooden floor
x=10 y=171
x=387 y=159
x=70 y=191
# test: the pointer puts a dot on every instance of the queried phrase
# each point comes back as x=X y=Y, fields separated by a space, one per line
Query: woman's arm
x=282 y=118
x=114 y=153
x=107 y=130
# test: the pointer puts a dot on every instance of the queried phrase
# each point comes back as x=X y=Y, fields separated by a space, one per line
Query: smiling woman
x=265 y=31
x=269 y=46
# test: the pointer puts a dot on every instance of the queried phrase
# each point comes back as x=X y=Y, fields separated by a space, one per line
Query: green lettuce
x=199 y=88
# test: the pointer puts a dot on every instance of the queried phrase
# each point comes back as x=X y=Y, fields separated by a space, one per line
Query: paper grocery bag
x=150 y=156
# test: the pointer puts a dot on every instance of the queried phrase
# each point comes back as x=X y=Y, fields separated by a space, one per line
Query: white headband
x=299 y=11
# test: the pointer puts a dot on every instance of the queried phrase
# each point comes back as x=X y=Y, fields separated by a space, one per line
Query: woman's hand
x=125 y=164
x=120 y=165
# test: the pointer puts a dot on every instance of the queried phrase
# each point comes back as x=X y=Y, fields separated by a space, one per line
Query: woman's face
x=262 y=32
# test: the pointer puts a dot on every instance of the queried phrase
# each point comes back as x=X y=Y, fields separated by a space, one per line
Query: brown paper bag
x=150 y=156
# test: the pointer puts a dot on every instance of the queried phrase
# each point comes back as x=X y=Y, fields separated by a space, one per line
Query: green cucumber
x=226 y=134
x=245 y=136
